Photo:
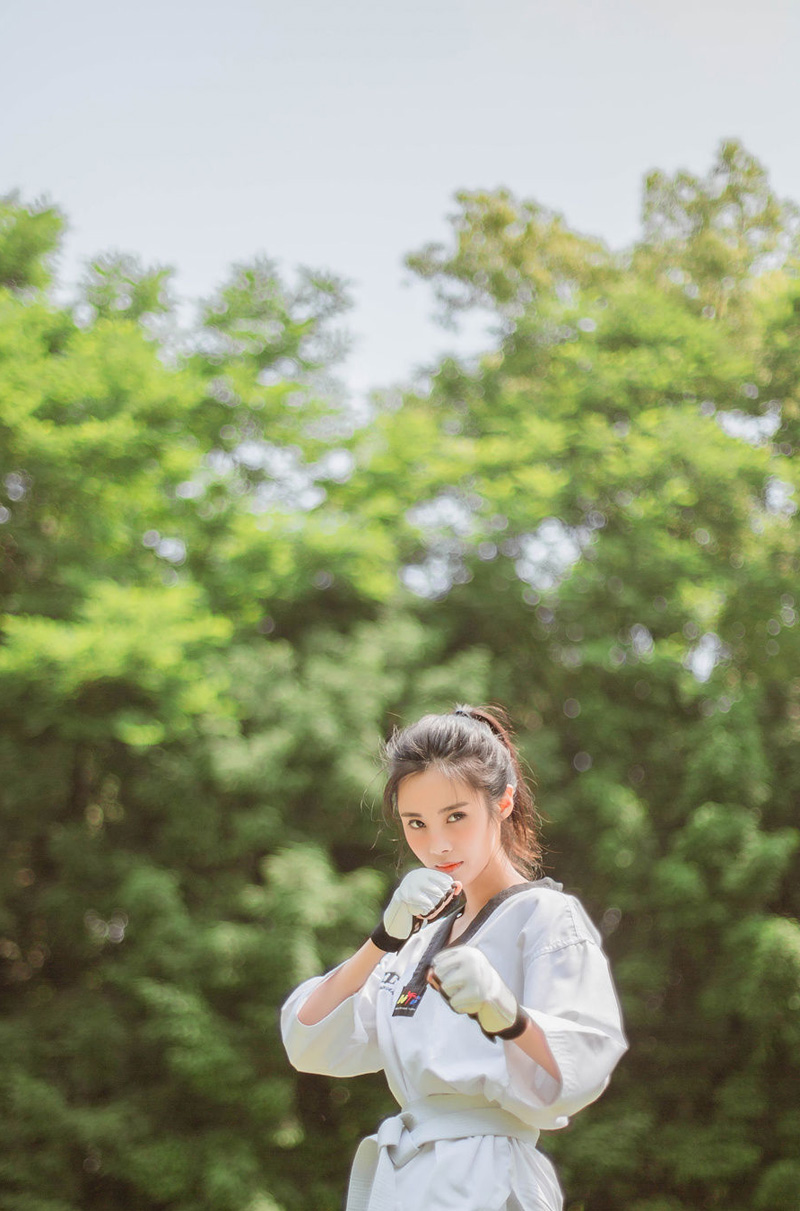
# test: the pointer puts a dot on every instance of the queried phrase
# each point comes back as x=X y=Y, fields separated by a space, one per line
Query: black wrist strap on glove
x=514 y=1030
x=384 y=940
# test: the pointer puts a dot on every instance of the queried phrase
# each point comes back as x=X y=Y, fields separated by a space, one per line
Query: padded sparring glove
x=417 y=897
x=469 y=983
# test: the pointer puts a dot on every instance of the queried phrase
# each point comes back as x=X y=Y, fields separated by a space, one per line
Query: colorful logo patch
x=407 y=1002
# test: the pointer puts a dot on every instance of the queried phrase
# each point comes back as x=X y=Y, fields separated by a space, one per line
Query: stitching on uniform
x=563 y=945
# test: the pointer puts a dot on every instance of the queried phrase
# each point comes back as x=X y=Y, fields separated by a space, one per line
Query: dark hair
x=474 y=746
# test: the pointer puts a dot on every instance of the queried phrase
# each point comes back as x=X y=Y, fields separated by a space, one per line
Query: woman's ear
x=505 y=804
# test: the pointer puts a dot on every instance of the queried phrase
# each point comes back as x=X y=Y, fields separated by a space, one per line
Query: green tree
x=607 y=507
x=141 y=795
x=219 y=592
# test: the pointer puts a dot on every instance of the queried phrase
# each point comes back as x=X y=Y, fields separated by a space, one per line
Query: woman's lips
x=448 y=867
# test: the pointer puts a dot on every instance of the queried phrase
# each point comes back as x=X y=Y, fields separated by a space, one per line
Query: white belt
x=446 y=1116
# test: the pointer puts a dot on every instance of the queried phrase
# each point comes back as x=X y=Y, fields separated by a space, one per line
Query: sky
x=335 y=136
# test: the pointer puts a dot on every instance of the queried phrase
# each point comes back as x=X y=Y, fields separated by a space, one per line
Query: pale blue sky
x=336 y=135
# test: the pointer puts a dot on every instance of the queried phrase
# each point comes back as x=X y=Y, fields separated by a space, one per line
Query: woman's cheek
x=413 y=842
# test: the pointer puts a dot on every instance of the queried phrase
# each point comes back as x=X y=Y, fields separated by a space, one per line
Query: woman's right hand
x=420 y=894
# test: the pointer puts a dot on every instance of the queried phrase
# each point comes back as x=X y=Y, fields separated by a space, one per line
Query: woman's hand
x=420 y=896
x=467 y=980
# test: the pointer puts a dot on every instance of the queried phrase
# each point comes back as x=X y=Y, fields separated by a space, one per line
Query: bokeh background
x=254 y=514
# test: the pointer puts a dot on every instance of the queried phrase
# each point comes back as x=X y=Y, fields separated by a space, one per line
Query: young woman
x=484 y=996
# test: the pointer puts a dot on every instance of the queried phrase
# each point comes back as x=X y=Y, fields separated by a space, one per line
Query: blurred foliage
x=221 y=588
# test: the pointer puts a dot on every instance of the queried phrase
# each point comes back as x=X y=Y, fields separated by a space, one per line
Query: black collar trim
x=491 y=905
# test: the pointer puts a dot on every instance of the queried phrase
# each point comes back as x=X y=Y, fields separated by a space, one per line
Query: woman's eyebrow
x=449 y=808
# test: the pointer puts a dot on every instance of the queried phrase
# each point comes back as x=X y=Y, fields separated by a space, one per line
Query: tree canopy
x=221 y=588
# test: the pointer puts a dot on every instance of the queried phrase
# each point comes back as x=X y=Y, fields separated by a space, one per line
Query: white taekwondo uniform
x=471 y=1107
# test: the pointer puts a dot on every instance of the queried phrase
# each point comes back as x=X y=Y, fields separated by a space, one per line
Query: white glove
x=467 y=980
x=419 y=894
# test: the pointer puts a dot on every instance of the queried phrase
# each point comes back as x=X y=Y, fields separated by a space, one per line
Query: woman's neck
x=493 y=879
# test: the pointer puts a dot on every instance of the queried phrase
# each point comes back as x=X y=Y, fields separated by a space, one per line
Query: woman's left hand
x=467 y=980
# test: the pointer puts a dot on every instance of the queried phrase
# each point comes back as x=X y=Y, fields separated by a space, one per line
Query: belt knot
x=399 y=1138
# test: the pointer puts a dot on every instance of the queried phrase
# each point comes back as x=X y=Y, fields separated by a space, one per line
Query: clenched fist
x=420 y=894
x=469 y=983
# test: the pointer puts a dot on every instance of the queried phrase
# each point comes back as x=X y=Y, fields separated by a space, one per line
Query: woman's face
x=448 y=826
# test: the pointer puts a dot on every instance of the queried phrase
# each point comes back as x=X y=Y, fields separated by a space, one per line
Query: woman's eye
x=416 y=825
x=456 y=816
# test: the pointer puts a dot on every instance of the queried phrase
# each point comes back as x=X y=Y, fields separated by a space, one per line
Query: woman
x=484 y=996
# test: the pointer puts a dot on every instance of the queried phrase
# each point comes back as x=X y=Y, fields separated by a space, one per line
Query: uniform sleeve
x=344 y=1043
x=570 y=996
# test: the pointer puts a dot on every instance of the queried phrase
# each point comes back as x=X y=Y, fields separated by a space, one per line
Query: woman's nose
x=441 y=845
